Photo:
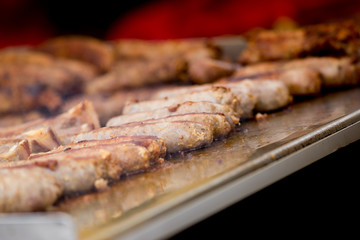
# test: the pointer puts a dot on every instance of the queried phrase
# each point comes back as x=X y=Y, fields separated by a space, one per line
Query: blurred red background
x=33 y=21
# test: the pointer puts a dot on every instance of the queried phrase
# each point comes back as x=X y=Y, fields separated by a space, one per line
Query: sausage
x=178 y=135
x=219 y=95
x=181 y=108
x=27 y=189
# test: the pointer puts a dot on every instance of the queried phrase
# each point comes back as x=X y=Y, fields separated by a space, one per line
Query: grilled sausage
x=155 y=146
x=132 y=74
x=27 y=189
x=79 y=169
x=217 y=120
x=219 y=95
x=181 y=108
x=178 y=135
x=340 y=38
x=80 y=118
x=87 y=49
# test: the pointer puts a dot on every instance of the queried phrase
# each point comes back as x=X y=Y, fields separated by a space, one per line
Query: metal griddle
x=191 y=186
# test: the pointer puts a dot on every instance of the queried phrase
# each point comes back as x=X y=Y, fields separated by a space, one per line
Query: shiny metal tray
x=191 y=186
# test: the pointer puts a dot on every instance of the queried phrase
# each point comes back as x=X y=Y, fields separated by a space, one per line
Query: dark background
x=33 y=21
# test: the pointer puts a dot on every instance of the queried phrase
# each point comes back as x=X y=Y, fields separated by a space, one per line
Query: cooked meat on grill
x=17 y=95
x=80 y=118
x=14 y=149
x=245 y=90
x=8 y=120
x=28 y=56
x=265 y=95
x=272 y=95
x=217 y=120
x=206 y=70
x=334 y=72
x=300 y=81
x=341 y=38
x=81 y=71
x=125 y=157
x=87 y=49
x=79 y=169
x=269 y=94
x=27 y=189
x=219 y=95
x=110 y=106
x=76 y=173
x=24 y=55
x=32 y=74
x=15 y=98
x=187 y=49
x=181 y=108
x=178 y=135
x=40 y=139
x=29 y=84
x=246 y=94
x=155 y=146
x=139 y=73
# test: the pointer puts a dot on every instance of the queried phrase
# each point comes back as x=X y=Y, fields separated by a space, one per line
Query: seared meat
x=76 y=173
x=341 y=38
x=269 y=94
x=110 y=106
x=219 y=95
x=248 y=95
x=300 y=81
x=15 y=98
x=265 y=95
x=245 y=94
x=334 y=72
x=80 y=71
x=40 y=139
x=14 y=149
x=198 y=55
x=33 y=84
x=268 y=45
x=24 y=55
x=217 y=120
x=155 y=146
x=272 y=95
x=187 y=49
x=86 y=49
x=19 y=118
x=178 y=135
x=32 y=74
x=79 y=169
x=27 y=189
x=181 y=108
x=132 y=74
x=80 y=118
x=207 y=70
x=27 y=56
